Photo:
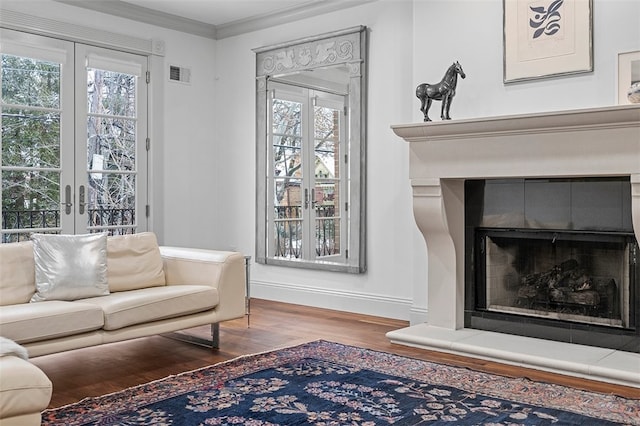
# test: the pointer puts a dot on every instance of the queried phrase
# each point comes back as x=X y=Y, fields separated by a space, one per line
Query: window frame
x=345 y=48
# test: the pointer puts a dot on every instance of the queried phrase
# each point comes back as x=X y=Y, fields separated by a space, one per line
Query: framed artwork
x=547 y=38
x=628 y=74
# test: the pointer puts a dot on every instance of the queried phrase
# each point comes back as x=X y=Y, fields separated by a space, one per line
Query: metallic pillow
x=70 y=267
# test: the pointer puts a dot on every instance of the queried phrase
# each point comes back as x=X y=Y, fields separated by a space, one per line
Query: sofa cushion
x=32 y=322
x=134 y=262
x=24 y=389
x=70 y=267
x=122 y=309
x=10 y=348
x=17 y=272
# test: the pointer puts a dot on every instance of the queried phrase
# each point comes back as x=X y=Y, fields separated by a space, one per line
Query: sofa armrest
x=224 y=270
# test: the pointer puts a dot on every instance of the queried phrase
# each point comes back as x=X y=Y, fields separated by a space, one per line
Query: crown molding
x=190 y=26
x=146 y=15
x=284 y=16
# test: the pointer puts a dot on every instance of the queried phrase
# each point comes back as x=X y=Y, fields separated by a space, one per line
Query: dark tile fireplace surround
x=553 y=259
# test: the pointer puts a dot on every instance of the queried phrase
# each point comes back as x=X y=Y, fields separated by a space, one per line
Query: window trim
x=348 y=47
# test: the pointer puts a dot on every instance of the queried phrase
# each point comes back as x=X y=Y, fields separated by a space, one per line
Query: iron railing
x=43 y=219
x=288 y=231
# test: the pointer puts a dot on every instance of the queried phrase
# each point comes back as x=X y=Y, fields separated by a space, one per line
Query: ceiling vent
x=183 y=75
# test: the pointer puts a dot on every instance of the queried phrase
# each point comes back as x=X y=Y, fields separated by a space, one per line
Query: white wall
x=411 y=42
x=386 y=288
x=204 y=167
x=470 y=31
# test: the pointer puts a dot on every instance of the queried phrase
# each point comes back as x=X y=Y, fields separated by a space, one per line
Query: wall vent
x=180 y=74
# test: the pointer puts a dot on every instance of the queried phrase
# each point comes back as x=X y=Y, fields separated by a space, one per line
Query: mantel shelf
x=582 y=119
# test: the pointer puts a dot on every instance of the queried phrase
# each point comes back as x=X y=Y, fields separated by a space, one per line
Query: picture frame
x=628 y=73
x=546 y=38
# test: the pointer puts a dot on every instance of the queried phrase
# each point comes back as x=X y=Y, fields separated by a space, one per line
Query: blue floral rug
x=323 y=383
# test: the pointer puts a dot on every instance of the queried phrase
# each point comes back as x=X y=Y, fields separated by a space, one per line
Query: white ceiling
x=215 y=18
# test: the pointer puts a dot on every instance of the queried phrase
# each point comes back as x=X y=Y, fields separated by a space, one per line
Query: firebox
x=554 y=259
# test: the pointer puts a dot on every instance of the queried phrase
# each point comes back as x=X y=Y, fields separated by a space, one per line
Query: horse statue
x=443 y=91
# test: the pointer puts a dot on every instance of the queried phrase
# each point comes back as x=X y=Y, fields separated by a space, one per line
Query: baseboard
x=418 y=315
x=361 y=303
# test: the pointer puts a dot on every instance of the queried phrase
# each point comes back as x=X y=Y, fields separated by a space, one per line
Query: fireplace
x=553 y=259
x=570 y=149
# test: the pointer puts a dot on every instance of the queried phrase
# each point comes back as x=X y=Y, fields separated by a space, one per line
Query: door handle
x=81 y=202
x=67 y=199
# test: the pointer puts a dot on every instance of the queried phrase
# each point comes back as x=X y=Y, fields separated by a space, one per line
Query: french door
x=306 y=210
x=74 y=126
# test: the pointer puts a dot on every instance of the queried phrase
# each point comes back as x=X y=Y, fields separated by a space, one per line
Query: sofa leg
x=214 y=343
x=215 y=335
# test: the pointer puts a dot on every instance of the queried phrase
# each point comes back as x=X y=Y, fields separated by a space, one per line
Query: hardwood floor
x=110 y=368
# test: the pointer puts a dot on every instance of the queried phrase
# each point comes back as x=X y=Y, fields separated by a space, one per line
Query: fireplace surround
x=578 y=144
x=554 y=258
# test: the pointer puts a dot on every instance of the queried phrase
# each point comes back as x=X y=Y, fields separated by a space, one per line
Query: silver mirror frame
x=346 y=47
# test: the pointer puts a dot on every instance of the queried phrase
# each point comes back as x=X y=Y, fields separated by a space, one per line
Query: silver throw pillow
x=70 y=267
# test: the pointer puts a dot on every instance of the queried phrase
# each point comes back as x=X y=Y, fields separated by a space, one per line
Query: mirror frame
x=346 y=47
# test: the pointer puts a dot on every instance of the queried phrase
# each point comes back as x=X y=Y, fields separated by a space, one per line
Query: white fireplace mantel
x=577 y=143
x=573 y=143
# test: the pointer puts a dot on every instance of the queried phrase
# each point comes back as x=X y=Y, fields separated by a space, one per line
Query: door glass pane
x=111 y=143
x=29 y=202
x=111 y=151
x=31 y=82
x=30 y=138
x=30 y=147
x=288 y=225
x=112 y=200
x=287 y=117
x=327 y=219
x=286 y=159
x=111 y=93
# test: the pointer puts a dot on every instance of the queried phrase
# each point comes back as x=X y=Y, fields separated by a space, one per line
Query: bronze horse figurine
x=443 y=91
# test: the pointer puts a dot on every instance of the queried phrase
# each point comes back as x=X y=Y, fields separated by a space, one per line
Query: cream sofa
x=151 y=290
x=25 y=391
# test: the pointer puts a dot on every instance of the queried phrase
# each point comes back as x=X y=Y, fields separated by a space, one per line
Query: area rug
x=324 y=383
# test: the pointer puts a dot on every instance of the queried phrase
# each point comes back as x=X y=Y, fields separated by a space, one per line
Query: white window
x=74 y=124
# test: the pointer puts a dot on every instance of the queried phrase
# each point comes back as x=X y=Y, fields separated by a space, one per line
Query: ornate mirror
x=311 y=157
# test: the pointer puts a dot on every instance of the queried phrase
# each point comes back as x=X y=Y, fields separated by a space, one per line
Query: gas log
x=568 y=286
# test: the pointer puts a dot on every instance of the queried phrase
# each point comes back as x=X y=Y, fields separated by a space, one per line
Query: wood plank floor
x=109 y=368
